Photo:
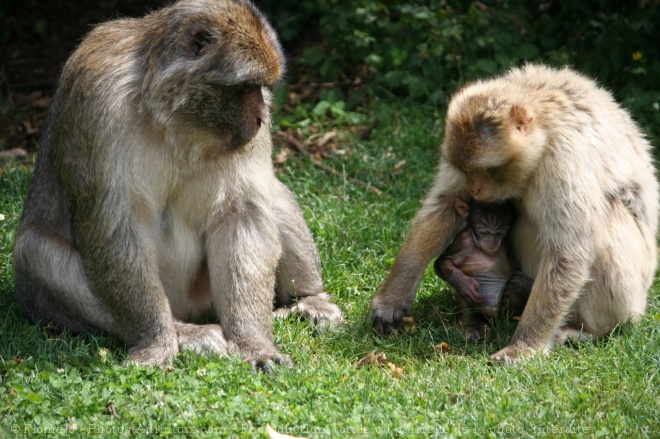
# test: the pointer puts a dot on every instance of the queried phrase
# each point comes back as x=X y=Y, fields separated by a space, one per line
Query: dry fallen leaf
x=282 y=157
x=381 y=359
x=275 y=435
x=372 y=358
x=396 y=371
x=442 y=347
x=454 y=397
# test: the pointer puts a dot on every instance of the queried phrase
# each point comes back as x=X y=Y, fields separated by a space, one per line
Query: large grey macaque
x=581 y=176
x=154 y=199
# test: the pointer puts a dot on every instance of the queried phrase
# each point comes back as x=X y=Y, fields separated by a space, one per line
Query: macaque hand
x=317 y=309
x=515 y=352
x=467 y=289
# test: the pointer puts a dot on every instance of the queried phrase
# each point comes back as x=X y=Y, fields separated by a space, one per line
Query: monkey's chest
x=491 y=271
x=183 y=269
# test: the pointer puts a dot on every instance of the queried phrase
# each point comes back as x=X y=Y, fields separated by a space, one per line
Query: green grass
x=54 y=384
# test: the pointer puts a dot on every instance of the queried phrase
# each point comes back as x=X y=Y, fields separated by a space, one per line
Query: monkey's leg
x=243 y=248
x=51 y=286
x=474 y=323
x=185 y=279
x=121 y=265
x=433 y=228
x=298 y=286
x=574 y=333
x=515 y=295
x=622 y=275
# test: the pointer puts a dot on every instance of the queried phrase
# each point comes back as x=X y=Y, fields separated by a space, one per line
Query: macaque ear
x=520 y=119
x=462 y=208
x=200 y=39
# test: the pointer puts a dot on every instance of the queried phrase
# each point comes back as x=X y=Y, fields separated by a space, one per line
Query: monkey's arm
x=563 y=272
x=447 y=268
x=119 y=260
x=465 y=286
x=298 y=287
x=433 y=228
x=243 y=248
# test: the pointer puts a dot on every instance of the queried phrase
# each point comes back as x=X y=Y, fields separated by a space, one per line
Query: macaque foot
x=474 y=334
x=201 y=339
x=571 y=333
x=387 y=315
x=318 y=309
x=515 y=352
x=262 y=356
x=157 y=353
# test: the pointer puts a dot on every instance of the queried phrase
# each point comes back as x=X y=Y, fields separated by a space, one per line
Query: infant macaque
x=479 y=264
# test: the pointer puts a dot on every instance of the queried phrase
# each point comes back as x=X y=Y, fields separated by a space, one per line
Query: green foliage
x=425 y=49
x=330 y=111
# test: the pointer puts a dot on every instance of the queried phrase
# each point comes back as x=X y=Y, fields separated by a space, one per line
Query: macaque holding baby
x=581 y=175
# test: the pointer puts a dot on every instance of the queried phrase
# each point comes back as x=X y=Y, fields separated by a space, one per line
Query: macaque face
x=490 y=224
x=489 y=239
x=206 y=77
x=494 y=143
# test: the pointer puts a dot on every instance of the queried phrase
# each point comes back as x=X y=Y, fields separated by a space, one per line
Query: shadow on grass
x=437 y=330
x=49 y=346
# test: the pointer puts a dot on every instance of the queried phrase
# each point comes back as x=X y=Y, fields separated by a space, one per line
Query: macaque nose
x=475 y=187
x=255 y=114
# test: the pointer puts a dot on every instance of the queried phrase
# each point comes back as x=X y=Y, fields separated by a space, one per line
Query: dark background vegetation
x=361 y=52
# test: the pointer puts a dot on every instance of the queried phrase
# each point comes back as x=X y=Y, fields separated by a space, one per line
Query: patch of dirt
x=36 y=38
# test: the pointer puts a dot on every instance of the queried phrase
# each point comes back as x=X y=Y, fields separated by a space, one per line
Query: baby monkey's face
x=490 y=224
